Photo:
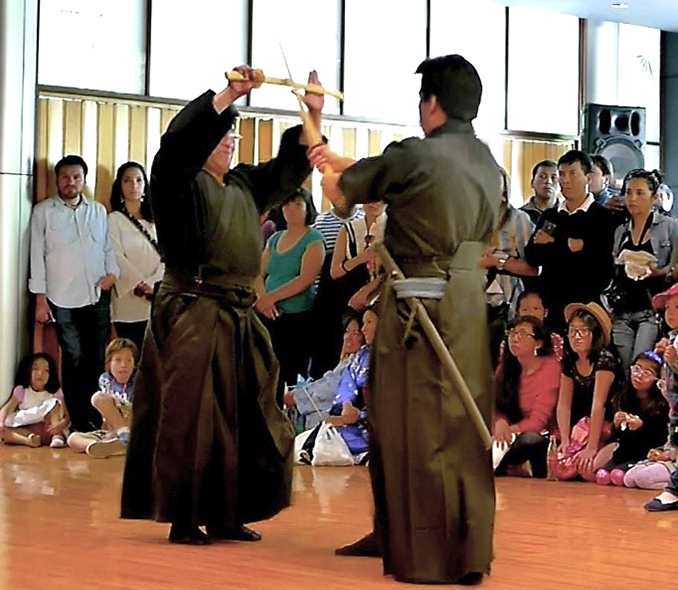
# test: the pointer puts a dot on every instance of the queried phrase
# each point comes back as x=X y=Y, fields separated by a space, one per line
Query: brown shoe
x=367 y=546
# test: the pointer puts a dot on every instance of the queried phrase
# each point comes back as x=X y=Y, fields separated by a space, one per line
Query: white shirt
x=588 y=201
x=70 y=251
x=138 y=261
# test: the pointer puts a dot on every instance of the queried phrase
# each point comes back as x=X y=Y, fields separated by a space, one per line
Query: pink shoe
x=603 y=477
x=617 y=477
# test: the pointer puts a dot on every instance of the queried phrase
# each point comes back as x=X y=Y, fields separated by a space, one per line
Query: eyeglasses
x=638 y=371
x=519 y=334
x=581 y=332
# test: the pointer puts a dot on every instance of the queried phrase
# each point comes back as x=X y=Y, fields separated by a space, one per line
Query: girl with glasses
x=641 y=415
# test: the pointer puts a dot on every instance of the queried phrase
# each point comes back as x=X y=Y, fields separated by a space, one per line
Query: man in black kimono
x=209 y=446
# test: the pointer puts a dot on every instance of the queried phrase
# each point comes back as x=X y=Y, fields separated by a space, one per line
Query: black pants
x=528 y=446
x=133 y=330
x=82 y=333
x=292 y=338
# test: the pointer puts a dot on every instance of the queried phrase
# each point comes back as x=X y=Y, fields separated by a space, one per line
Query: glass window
x=454 y=30
x=639 y=63
x=543 y=74
x=193 y=44
x=384 y=45
x=310 y=38
x=93 y=44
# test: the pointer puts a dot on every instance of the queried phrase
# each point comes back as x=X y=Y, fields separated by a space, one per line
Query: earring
x=142 y=197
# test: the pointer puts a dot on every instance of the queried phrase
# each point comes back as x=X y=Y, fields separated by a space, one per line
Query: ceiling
x=658 y=14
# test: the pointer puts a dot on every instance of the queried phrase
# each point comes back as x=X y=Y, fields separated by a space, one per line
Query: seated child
x=36 y=413
x=114 y=402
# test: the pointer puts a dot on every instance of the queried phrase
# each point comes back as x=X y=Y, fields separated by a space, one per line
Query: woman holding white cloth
x=133 y=236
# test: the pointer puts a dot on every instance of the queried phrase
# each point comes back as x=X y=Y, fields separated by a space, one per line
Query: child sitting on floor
x=36 y=413
x=114 y=403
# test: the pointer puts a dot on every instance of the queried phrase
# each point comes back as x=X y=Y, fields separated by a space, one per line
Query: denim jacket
x=663 y=237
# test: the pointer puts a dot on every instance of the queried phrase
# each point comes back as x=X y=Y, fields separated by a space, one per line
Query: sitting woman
x=646 y=253
x=591 y=378
x=526 y=384
x=286 y=286
x=641 y=415
x=310 y=402
x=349 y=409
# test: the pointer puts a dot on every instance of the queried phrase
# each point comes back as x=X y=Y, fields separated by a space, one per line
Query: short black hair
x=654 y=179
x=71 y=160
x=311 y=211
x=117 y=200
x=603 y=163
x=455 y=83
x=23 y=374
x=543 y=164
x=574 y=156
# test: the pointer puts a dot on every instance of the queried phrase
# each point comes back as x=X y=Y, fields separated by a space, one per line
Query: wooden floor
x=59 y=530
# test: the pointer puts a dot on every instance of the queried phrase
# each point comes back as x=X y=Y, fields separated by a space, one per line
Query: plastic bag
x=330 y=448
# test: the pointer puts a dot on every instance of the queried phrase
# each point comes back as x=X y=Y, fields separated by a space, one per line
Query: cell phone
x=549 y=228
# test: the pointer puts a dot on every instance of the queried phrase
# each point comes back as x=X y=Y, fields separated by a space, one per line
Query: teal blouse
x=283 y=267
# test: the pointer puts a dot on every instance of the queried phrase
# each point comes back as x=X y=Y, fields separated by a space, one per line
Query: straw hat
x=597 y=312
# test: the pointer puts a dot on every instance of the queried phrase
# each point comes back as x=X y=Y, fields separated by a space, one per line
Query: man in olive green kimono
x=209 y=446
x=431 y=475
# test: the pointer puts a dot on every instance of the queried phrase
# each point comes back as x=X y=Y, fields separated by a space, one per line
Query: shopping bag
x=330 y=448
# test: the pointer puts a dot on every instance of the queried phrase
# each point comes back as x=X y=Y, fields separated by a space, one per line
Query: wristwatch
x=502 y=262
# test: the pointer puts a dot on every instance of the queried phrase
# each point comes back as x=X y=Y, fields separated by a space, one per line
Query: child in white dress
x=36 y=413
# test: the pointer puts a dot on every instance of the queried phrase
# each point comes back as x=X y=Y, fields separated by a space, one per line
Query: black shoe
x=188 y=535
x=367 y=546
x=239 y=533
x=470 y=579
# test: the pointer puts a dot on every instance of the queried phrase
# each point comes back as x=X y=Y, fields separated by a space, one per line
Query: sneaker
x=102 y=449
x=57 y=442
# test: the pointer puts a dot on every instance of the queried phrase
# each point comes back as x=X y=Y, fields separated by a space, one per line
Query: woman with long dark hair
x=134 y=238
x=526 y=386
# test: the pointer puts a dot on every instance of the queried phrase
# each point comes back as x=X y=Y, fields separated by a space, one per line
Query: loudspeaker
x=616 y=132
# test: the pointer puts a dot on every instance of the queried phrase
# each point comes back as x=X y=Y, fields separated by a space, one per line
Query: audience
x=640 y=416
x=35 y=414
x=545 y=186
x=72 y=271
x=646 y=254
x=526 y=387
x=136 y=250
x=290 y=266
x=572 y=242
x=113 y=401
x=591 y=378
x=601 y=177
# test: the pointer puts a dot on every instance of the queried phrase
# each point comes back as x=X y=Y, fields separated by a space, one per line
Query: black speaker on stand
x=616 y=132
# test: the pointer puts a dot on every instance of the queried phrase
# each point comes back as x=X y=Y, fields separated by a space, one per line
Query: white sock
x=667 y=498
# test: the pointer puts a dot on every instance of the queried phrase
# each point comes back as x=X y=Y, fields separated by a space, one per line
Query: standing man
x=209 y=446
x=545 y=186
x=431 y=475
x=572 y=242
x=601 y=177
x=73 y=268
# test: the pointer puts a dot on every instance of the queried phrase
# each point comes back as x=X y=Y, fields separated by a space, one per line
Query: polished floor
x=59 y=531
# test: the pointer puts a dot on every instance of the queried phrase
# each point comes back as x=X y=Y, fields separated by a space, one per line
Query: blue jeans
x=82 y=333
x=633 y=333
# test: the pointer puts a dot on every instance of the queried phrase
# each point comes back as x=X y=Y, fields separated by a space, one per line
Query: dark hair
x=311 y=211
x=351 y=316
x=627 y=400
x=70 y=160
x=654 y=179
x=574 y=156
x=543 y=164
x=603 y=163
x=23 y=374
x=525 y=294
x=455 y=83
x=597 y=342
x=507 y=382
x=117 y=199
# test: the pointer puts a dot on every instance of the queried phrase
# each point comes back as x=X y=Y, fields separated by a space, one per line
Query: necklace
x=141 y=228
